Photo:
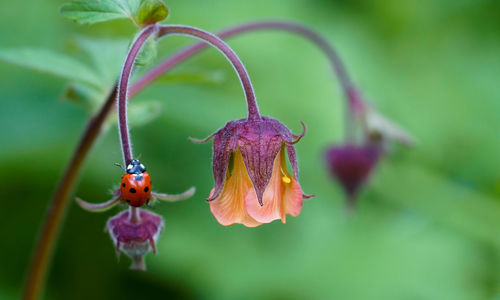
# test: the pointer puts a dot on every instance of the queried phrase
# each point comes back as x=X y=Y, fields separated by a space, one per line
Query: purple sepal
x=135 y=239
x=352 y=165
x=259 y=142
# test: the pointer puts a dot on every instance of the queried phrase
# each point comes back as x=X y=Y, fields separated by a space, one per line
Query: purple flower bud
x=135 y=238
x=252 y=182
x=352 y=165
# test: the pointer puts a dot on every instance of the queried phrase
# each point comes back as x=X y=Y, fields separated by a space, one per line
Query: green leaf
x=95 y=11
x=50 y=62
x=152 y=11
x=106 y=55
x=140 y=113
x=83 y=95
x=148 y=53
x=193 y=76
x=143 y=112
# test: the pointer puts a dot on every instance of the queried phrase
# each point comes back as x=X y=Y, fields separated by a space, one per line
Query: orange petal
x=282 y=196
x=229 y=207
x=292 y=192
x=271 y=210
x=292 y=199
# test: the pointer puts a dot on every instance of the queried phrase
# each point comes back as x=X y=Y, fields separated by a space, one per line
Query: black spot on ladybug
x=146 y=189
x=123 y=184
x=132 y=190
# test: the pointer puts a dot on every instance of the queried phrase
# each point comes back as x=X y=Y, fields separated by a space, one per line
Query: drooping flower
x=252 y=182
x=135 y=239
x=352 y=165
x=134 y=231
x=352 y=162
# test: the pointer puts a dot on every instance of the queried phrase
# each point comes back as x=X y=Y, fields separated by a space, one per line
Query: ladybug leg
x=121 y=167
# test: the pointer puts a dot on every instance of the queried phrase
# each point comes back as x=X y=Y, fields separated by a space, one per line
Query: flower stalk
x=134 y=214
x=143 y=36
x=53 y=220
x=351 y=95
x=216 y=42
x=162 y=31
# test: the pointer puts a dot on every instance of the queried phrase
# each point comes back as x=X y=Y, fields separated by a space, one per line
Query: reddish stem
x=57 y=207
x=351 y=95
x=143 y=36
x=134 y=215
x=206 y=37
x=216 y=42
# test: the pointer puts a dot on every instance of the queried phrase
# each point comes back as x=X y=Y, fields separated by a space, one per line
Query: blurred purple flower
x=352 y=165
x=135 y=238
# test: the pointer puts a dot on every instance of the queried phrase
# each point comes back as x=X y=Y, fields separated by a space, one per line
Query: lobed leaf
x=95 y=11
x=148 y=53
x=141 y=113
x=50 y=62
x=106 y=55
x=84 y=95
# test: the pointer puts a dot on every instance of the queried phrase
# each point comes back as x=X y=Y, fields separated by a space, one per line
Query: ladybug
x=135 y=186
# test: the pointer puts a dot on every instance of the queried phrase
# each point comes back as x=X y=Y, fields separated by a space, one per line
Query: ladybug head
x=135 y=167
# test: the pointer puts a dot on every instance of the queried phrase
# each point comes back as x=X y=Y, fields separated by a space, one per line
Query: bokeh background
x=427 y=227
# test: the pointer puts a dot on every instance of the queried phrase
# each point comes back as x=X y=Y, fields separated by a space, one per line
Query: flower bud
x=352 y=165
x=137 y=237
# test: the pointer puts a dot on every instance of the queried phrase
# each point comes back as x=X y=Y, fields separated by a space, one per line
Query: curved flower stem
x=216 y=42
x=143 y=36
x=211 y=39
x=53 y=219
x=353 y=101
x=331 y=53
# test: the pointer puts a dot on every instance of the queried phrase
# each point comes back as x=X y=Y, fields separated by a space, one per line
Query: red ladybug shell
x=136 y=188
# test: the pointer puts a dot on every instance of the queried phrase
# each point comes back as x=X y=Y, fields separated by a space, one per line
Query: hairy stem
x=134 y=214
x=53 y=219
x=211 y=39
x=143 y=36
x=351 y=94
x=216 y=42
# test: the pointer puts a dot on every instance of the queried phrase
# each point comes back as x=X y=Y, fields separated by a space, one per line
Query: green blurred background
x=427 y=227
